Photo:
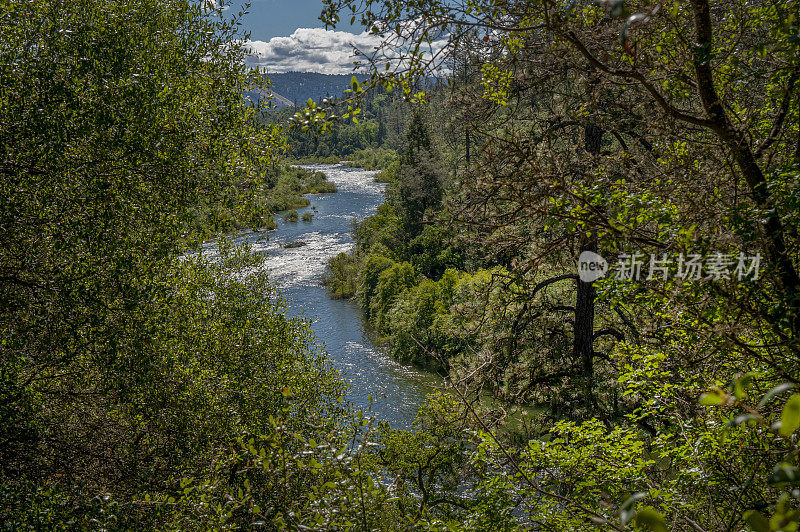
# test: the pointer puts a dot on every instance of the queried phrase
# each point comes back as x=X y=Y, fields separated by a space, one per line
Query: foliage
x=341 y=275
x=392 y=282
x=417 y=322
x=368 y=278
x=172 y=397
x=381 y=231
x=127 y=361
x=315 y=182
x=370 y=141
x=144 y=386
x=618 y=127
x=253 y=205
x=419 y=178
x=373 y=159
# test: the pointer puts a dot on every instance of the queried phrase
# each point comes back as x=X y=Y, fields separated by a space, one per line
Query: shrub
x=422 y=314
x=341 y=275
x=269 y=223
x=317 y=183
x=391 y=283
x=382 y=228
x=373 y=158
x=388 y=174
x=369 y=274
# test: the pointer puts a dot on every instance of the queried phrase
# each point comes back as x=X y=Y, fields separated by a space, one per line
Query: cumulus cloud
x=331 y=52
x=311 y=50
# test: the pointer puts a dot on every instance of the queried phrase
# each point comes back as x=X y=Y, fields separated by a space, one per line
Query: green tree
x=420 y=178
x=126 y=361
x=652 y=129
x=391 y=284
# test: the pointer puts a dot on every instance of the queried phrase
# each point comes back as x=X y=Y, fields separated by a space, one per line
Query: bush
x=269 y=223
x=317 y=183
x=291 y=216
x=341 y=275
x=422 y=314
x=373 y=158
x=171 y=398
x=391 y=283
x=388 y=174
x=123 y=367
x=307 y=216
x=381 y=229
x=369 y=273
x=432 y=253
x=254 y=204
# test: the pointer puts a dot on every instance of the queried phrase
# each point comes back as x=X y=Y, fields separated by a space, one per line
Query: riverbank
x=255 y=203
x=397 y=390
x=368 y=159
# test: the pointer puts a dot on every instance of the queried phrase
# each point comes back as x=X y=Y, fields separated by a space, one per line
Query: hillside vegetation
x=147 y=385
x=663 y=138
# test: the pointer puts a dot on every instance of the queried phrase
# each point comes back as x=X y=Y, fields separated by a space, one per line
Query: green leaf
x=743 y=418
x=784 y=474
x=790 y=418
x=626 y=509
x=651 y=519
x=741 y=385
x=757 y=521
x=715 y=396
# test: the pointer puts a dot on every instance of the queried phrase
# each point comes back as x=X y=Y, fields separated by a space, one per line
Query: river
x=397 y=390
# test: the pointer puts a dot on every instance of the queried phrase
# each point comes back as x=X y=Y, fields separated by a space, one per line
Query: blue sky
x=288 y=35
x=279 y=18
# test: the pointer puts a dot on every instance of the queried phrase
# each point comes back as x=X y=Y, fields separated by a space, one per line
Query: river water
x=397 y=390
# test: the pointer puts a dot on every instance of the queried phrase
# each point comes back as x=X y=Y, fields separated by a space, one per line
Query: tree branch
x=783 y=111
x=608 y=331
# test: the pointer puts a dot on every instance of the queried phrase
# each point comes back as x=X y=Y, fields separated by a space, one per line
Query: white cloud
x=329 y=51
x=311 y=50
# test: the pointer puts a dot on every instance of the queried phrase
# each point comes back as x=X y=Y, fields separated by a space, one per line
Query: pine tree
x=419 y=179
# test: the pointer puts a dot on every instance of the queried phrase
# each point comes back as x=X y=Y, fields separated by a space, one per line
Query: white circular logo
x=591 y=266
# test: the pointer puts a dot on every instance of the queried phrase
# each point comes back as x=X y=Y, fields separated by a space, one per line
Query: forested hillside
x=298 y=87
x=660 y=140
x=371 y=141
x=590 y=231
x=293 y=89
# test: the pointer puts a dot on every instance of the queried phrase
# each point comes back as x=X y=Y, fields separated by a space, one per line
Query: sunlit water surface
x=397 y=390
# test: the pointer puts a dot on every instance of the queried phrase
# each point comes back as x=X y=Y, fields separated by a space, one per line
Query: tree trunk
x=583 y=341
x=592 y=138
x=583 y=344
x=739 y=147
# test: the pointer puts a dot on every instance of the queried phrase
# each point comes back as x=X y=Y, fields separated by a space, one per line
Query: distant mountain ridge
x=290 y=88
